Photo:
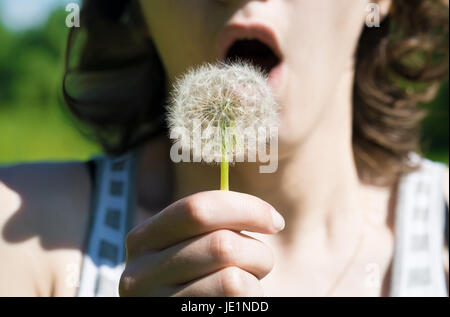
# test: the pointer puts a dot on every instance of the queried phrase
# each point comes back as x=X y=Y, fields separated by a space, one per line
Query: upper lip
x=239 y=31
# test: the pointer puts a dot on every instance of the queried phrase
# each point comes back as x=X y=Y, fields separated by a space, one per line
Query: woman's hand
x=194 y=248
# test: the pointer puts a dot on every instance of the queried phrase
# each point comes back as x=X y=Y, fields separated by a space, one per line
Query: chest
x=359 y=270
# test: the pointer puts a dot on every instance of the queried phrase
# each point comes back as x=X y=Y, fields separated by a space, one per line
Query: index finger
x=201 y=213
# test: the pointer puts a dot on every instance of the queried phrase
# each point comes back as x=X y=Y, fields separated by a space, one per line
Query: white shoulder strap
x=418 y=268
x=112 y=213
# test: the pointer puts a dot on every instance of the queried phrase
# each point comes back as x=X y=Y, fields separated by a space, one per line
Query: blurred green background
x=34 y=123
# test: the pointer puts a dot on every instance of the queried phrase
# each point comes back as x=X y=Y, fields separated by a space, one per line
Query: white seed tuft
x=231 y=101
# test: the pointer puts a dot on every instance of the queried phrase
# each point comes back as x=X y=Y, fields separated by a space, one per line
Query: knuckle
x=196 y=209
x=132 y=241
x=233 y=282
x=127 y=284
x=136 y=240
x=129 y=240
x=223 y=246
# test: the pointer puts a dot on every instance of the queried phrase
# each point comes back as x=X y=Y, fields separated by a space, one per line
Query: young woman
x=353 y=210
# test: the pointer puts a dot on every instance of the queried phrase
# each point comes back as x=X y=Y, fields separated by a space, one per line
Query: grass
x=38 y=133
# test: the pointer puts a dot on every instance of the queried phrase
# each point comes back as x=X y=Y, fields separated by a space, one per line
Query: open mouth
x=254 y=52
x=257 y=44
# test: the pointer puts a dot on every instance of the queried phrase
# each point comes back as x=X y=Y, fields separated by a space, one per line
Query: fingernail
x=277 y=220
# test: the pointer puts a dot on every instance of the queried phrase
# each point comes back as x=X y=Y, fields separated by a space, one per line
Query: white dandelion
x=229 y=104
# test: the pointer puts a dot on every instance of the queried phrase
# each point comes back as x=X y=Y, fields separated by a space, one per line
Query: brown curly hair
x=398 y=66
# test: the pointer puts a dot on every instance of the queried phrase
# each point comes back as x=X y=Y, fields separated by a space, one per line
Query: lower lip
x=275 y=77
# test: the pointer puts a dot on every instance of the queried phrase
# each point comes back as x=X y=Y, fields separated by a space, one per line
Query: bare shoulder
x=44 y=209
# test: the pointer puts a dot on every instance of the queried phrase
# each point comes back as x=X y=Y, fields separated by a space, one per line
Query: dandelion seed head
x=230 y=100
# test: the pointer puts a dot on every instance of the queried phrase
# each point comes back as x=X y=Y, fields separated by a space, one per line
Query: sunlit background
x=34 y=124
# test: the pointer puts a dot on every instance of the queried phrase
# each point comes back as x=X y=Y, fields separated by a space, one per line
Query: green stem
x=224 y=172
x=224 y=165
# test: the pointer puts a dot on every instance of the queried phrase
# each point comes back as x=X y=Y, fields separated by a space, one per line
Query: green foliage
x=34 y=124
x=435 y=127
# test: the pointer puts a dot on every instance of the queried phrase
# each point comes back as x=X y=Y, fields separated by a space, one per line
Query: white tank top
x=420 y=222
